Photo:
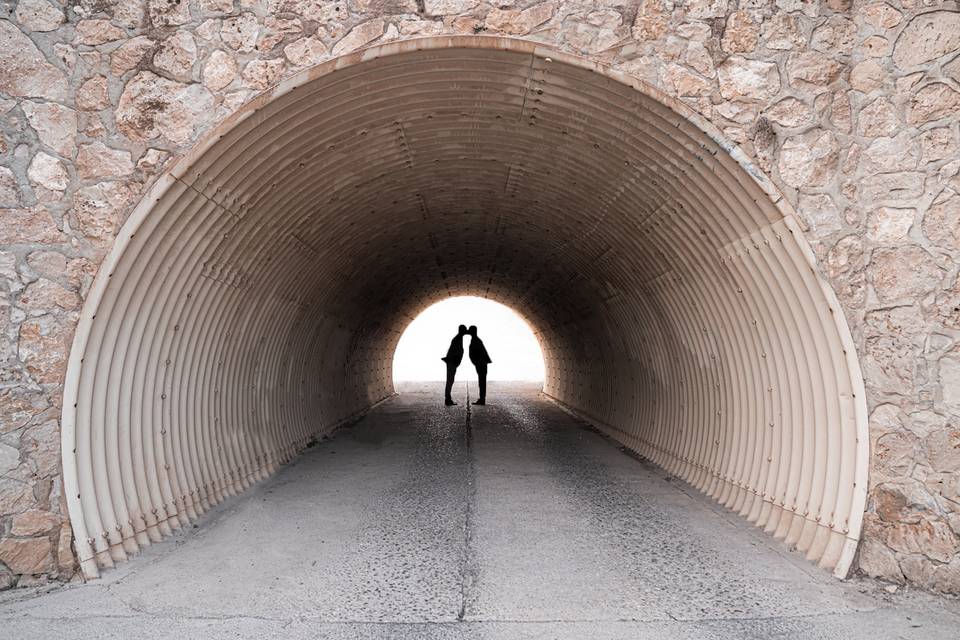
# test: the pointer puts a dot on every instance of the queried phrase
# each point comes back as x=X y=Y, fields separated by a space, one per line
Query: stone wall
x=851 y=107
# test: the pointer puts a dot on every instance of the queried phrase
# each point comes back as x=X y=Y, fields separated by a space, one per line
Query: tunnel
x=253 y=300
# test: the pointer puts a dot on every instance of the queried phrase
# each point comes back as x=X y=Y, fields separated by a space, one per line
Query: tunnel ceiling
x=254 y=299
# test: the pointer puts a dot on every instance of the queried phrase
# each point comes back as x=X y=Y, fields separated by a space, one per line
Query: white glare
x=509 y=340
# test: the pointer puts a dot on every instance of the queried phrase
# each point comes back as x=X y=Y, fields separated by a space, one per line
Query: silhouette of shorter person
x=453 y=359
x=480 y=360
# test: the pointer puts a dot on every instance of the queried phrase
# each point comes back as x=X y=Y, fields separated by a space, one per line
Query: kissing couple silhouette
x=478 y=356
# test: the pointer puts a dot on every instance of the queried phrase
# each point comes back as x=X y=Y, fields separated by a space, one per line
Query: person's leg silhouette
x=451 y=374
x=452 y=359
x=482 y=383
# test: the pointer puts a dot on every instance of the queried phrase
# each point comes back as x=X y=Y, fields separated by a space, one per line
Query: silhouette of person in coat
x=453 y=358
x=480 y=360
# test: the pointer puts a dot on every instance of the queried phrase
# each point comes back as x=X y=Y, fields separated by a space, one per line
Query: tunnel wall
x=850 y=110
x=252 y=299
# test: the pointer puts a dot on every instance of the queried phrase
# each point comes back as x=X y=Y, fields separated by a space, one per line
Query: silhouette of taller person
x=480 y=360
x=453 y=359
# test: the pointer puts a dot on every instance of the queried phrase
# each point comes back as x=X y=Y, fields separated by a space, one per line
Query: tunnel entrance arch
x=250 y=300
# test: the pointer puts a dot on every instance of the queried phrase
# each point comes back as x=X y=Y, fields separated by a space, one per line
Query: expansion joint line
x=467 y=571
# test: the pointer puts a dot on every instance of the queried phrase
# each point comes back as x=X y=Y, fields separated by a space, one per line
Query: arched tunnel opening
x=254 y=299
x=504 y=333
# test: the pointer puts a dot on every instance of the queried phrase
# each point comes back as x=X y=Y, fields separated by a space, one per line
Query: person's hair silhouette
x=453 y=358
x=480 y=359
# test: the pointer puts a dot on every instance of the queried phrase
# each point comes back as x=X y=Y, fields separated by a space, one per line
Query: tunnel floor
x=512 y=520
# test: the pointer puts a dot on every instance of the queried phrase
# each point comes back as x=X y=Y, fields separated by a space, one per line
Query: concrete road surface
x=511 y=521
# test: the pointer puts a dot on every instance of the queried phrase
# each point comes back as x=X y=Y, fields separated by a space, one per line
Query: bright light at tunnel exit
x=511 y=343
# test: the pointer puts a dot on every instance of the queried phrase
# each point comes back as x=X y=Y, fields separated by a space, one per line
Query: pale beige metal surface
x=255 y=297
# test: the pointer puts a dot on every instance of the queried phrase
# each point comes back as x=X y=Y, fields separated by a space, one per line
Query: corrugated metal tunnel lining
x=255 y=297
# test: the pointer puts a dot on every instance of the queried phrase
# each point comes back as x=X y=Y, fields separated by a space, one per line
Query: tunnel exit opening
x=512 y=343
x=254 y=298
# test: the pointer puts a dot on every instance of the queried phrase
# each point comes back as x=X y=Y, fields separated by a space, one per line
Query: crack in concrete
x=467 y=571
